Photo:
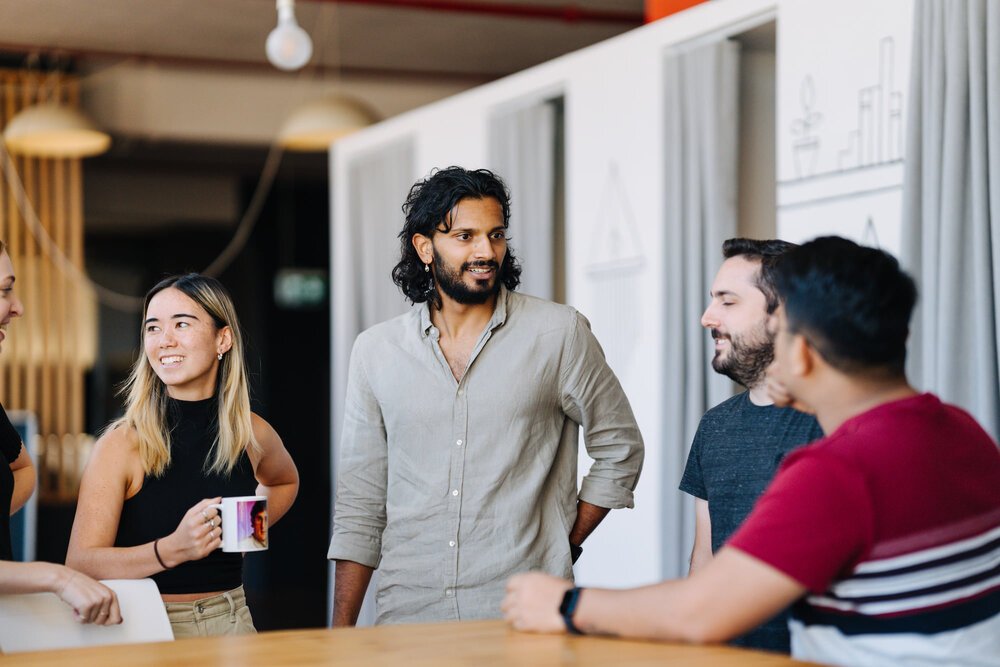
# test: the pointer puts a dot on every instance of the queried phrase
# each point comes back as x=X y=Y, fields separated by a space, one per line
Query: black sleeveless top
x=161 y=503
x=10 y=448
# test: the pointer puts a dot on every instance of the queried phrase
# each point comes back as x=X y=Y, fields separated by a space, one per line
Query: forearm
x=24 y=486
x=662 y=611
x=90 y=601
x=730 y=595
x=701 y=551
x=135 y=562
x=280 y=498
x=36 y=577
x=734 y=593
x=701 y=555
x=350 y=584
x=588 y=517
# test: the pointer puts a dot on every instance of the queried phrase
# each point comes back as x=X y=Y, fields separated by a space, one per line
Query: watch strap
x=571 y=599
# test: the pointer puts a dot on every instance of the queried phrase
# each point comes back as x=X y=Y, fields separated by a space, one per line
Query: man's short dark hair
x=426 y=210
x=767 y=252
x=258 y=507
x=852 y=303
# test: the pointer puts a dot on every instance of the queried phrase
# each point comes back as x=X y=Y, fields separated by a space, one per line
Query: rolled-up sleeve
x=594 y=399
x=359 y=512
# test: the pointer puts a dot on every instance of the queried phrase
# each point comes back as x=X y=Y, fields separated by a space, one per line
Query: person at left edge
x=17 y=474
x=458 y=463
x=91 y=601
x=188 y=437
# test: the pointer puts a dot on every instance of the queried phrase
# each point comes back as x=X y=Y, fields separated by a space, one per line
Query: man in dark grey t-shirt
x=741 y=441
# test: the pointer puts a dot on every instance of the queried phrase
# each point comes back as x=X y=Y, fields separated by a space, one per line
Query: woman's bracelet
x=156 y=550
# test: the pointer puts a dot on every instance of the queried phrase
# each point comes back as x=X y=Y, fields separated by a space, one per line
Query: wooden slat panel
x=75 y=309
x=51 y=347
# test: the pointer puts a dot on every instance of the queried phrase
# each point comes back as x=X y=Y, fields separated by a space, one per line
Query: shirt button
x=454 y=492
x=451 y=543
x=461 y=391
x=458 y=442
x=449 y=592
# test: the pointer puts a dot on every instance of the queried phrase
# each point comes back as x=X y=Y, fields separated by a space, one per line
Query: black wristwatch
x=569 y=602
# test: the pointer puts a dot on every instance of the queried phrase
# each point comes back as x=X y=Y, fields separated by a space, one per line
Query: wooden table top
x=480 y=643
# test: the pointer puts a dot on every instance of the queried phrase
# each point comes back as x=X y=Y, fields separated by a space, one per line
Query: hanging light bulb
x=288 y=46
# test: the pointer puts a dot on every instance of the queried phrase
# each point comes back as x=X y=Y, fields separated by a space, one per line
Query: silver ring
x=212 y=522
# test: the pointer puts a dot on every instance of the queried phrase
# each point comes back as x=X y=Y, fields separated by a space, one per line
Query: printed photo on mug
x=251 y=515
x=244 y=523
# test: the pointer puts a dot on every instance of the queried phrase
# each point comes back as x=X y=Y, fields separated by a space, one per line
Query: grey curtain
x=951 y=205
x=522 y=152
x=701 y=105
x=365 y=249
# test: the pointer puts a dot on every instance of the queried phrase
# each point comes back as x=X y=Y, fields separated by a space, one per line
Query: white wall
x=614 y=167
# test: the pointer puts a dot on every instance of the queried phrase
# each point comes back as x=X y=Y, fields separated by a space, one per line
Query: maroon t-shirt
x=892 y=522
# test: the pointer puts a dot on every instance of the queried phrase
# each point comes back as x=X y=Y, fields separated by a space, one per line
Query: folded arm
x=594 y=399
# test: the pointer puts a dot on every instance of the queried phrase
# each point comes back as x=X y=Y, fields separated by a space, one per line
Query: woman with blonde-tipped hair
x=188 y=438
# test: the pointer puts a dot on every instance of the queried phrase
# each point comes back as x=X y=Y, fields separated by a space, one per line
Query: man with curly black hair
x=458 y=461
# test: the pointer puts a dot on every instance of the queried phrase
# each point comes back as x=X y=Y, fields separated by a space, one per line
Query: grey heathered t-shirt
x=733 y=458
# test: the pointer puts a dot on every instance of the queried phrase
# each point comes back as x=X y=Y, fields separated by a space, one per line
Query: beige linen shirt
x=449 y=487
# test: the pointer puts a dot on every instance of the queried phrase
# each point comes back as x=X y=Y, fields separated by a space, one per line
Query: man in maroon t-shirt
x=885 y=534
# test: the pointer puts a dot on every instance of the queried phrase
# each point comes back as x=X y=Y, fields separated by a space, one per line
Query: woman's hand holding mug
x=198 y=534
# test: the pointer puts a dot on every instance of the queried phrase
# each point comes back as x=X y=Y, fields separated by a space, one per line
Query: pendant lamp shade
x=54 y=131
x=314 y=126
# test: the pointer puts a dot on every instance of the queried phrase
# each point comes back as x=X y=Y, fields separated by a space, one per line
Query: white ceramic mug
x=244 y=523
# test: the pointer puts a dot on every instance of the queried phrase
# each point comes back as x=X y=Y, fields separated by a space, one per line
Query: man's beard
x=450 y=281
x=748 y=358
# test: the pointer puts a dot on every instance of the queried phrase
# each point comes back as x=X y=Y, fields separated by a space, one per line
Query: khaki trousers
x=225 y=614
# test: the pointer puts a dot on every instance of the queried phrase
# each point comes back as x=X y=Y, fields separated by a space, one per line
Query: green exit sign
x=300 y=288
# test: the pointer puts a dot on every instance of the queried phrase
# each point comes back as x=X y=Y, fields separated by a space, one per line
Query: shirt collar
x=499 y=313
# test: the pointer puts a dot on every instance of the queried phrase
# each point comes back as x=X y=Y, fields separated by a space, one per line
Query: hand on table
x=92 y=601
x=532 y=602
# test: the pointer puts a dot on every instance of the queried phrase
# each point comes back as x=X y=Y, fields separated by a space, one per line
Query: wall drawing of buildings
x=877 y=135
x=877 y=138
